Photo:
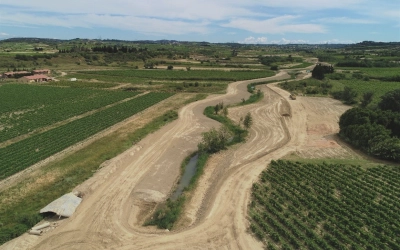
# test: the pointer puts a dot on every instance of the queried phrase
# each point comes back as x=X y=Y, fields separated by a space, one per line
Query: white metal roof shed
x=64 y=206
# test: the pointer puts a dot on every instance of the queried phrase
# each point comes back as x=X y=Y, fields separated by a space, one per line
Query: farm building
x=15 y=74
x=41 y=71
x=36 y=78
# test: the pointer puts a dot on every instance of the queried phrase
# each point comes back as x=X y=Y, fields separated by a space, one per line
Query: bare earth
x=115 y=199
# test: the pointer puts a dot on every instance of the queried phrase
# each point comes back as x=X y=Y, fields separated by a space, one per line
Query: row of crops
x=22 y=154
x=198 y=75
x=379 y=88
x=326 y=206
x=24 y=108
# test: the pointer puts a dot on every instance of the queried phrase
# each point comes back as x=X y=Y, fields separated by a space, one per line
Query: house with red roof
x=36 y=78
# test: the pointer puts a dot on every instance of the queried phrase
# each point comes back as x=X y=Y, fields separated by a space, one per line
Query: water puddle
x=190 y=170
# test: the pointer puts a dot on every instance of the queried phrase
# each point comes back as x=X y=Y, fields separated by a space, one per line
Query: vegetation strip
x=25 y=153
x=326 y=206
x=168 y=213
x=19 y=216
x=213 y=141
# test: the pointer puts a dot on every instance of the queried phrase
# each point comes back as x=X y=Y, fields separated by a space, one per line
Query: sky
x=216 y=21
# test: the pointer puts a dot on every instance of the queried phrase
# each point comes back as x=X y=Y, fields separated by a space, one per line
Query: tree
x=349 y=95
x=170 y=67
x=367 y=98
x=149 y=65
x=225 y=111
x=216 y=109
x=318 y=72
x=214 y=140
x=248 y=121
x=390 y=101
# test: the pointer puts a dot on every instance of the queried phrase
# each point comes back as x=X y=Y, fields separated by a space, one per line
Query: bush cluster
x=377 y=132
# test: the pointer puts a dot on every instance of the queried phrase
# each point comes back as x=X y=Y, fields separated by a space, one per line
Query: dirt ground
x=216 y=217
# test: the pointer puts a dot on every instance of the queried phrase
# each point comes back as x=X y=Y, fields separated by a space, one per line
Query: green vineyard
x=210 y=75
x=22 y=154
x=24 y=108
x=326 y=206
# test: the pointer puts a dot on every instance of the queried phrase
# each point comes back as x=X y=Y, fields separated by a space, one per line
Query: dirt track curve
x=109 y=215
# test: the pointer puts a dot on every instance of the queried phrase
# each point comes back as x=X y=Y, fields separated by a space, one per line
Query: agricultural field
x=326 y=206
x=22 y=154
x=384 y=74
x=361 y=80
x=25 y=108
x=191 y=75
x=379 y=88
x=82 y=84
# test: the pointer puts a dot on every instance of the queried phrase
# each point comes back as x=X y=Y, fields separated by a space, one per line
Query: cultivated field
x=326 y=206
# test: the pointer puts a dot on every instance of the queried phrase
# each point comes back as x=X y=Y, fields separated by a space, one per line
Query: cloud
x=192 y=9
x=277 y=25
x=4 y=34
x=264 y=40
x=253 y=40
x=140 y=24
x=287 y=41
x=337 y=41
x=346 y=20
x=174 y=9
x=181 y=17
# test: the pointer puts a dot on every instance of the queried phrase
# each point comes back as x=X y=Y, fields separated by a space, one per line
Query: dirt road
x=110 y=215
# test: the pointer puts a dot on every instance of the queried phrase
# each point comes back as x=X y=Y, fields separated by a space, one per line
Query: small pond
x=190 y=171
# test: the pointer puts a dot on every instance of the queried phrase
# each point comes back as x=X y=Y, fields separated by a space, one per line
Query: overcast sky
x=244 y=21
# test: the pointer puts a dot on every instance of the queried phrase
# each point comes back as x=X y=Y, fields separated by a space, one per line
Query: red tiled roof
x=16 y=72
x=34 y=77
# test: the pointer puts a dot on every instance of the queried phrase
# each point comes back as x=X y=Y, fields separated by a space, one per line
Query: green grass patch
x=255 y=97
x=201 y=163
x=239 y=134
x=309 y=86
x=168 y=213
x=302 y=65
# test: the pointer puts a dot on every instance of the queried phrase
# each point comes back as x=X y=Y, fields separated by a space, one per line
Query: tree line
x=375 y=131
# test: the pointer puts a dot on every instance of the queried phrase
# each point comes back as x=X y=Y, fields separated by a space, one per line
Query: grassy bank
x=169 y=212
